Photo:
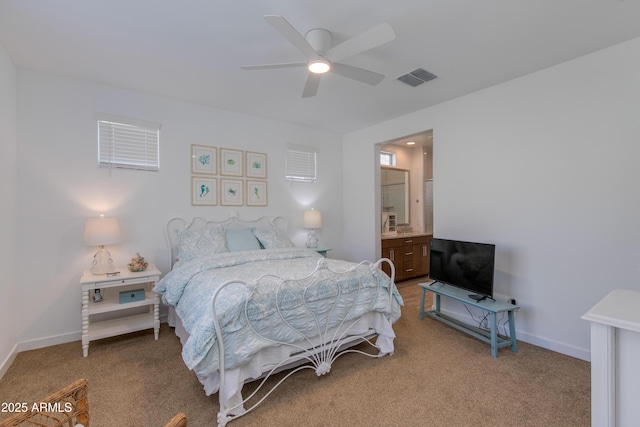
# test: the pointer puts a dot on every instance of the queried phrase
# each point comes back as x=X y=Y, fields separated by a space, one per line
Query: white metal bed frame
x=315 y=351
x=177 y=225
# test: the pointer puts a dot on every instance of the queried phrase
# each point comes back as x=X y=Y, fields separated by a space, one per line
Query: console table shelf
x=492 y=307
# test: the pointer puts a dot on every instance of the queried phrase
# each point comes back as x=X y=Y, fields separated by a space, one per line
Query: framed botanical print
x=256 y=193
x=204 y=191
x=255 y=165
x=231 y=192
x=204 y=160
x=231 y=162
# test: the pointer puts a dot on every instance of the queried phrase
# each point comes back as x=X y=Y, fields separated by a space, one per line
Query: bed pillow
x=242 y=240
x=273 y=239
x=194 y=244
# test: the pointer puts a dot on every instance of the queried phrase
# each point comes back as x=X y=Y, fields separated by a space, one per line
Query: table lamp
x=100 y=232
x=312 y=219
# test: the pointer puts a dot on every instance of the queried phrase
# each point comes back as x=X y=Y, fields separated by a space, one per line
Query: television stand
x=491 y=306
x=477 y=297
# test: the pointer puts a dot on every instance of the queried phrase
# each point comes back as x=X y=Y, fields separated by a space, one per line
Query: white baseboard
x=46 y=342
x=49 y=341
x=8 y=361
x=36 y=344
x=558 y=347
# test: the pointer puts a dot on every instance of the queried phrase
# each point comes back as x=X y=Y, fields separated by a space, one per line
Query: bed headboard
x=175 y=226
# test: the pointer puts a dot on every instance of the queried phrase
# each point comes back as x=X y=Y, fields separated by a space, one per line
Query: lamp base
x=312 y=240
x=102 y=262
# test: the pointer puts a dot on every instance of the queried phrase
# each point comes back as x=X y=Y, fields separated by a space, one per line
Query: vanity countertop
x=386 y=236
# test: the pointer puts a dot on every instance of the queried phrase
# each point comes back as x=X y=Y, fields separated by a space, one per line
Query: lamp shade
x=312 y=219
x=101 y=231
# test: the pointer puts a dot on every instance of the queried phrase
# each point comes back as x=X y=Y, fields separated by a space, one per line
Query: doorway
x=414 y=153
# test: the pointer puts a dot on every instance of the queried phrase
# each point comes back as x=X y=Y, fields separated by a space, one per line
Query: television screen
x=465 y=265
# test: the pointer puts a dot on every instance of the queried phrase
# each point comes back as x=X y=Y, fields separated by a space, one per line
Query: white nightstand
x=113 y=284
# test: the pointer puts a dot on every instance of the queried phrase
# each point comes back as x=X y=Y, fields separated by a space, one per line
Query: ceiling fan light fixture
x=319 y=66
x=316 y=45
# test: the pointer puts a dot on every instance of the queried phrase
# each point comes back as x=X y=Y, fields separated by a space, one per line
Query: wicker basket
x=179 y=420
x=72 y=400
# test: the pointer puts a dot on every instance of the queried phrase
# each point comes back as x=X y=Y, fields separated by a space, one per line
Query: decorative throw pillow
x=273 y=239
x=194 y=244
x=242 y=240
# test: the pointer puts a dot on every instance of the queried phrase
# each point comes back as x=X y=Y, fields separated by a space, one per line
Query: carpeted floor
x=437 y=377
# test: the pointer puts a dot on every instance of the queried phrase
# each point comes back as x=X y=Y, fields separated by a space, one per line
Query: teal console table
x=492 y=307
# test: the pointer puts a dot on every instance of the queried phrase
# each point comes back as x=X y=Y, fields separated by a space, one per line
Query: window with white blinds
x=128 y=143
x=301 y=163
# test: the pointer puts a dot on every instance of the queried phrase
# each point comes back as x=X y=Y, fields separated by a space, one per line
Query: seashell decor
x=137 y=263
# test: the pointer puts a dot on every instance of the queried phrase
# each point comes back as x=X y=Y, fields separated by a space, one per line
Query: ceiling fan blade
x=311 y=86
x=373 y=37
x=295 y=38
x=359 y=74
x=268 y=66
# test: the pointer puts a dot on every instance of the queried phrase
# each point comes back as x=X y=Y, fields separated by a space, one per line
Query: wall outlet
x=512 y=301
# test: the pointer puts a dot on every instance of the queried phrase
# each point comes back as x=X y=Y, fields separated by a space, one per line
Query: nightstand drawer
x=124 y=281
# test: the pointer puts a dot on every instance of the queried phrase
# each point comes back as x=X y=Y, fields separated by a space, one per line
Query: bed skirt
x=370 y=325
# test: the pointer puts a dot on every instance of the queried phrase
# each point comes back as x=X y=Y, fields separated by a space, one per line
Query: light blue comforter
x=190 y=287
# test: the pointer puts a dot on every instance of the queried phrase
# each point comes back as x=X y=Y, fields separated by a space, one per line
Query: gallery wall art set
x=227 y=177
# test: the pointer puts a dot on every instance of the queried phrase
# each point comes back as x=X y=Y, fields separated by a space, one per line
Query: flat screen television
x=466 y=265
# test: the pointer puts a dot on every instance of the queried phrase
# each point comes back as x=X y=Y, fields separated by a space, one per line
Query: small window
x=300 y=163
x=387 y=158
x=128 y=143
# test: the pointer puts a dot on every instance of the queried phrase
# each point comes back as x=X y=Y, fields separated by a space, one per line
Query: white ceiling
x=191 y=49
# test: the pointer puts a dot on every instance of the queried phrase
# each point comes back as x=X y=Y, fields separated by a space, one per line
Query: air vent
x=417 y=77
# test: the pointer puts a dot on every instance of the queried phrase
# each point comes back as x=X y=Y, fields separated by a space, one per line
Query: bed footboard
x=317 y=318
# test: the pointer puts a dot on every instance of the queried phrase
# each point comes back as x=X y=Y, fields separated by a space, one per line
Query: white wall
x=60 y=185
x=545 y=167
x=8 y=208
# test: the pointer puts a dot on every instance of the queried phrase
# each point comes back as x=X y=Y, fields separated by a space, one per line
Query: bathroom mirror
x=395 y=192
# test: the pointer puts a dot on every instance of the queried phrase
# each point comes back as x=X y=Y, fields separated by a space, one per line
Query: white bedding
x=275 y=307
x=270 y=357
x=190 y=287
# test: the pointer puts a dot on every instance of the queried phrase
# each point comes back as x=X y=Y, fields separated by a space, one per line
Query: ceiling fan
x=322 y=57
